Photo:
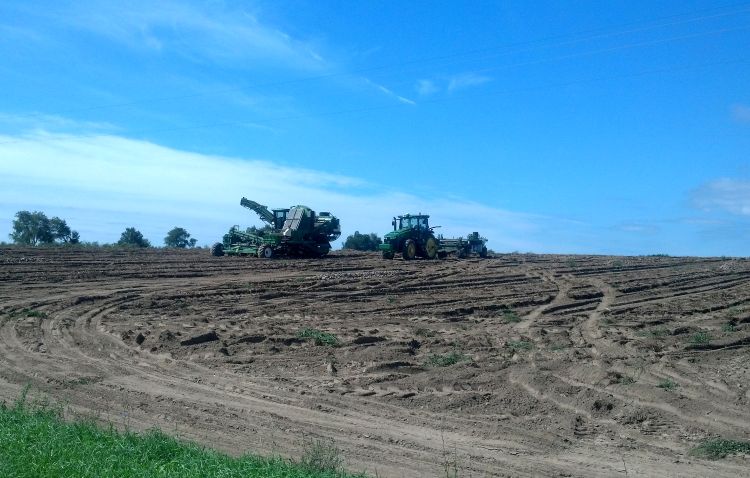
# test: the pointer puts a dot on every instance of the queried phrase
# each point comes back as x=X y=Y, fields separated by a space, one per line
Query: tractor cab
x=409 y=221
x=279 y=217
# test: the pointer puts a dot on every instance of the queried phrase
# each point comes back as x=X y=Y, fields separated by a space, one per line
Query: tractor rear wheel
x=265 y=252
x=217 y=249
x=483 y=252
x=410 y=250
x=430 y=248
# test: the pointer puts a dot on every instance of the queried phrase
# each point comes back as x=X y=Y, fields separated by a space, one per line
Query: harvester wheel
x=430 y=248
x=265 y=252
x=217 y=249
x=410 y=250
x=387 y=254
x=483 y=252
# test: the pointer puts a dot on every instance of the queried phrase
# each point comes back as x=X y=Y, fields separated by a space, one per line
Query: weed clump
x=446 y=360
x=319 y=337
x=700 y=338
x=717 y=448
x=667 y=384
x=518 y=345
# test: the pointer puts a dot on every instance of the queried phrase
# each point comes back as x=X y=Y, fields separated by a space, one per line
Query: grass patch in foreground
x=319 y=337
x=719 y=448
x=35 y=442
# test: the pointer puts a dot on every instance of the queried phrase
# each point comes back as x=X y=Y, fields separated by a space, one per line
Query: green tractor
x=411 y=237
x=296 y=231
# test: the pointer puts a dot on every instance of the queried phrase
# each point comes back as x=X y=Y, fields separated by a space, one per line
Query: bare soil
x=564 y=365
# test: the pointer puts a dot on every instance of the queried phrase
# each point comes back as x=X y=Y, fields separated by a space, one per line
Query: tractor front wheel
x=410 y=250
x=387 y=254
x=217 y=249
x=483 y=252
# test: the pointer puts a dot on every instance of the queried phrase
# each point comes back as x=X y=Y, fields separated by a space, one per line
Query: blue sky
x=569 y=127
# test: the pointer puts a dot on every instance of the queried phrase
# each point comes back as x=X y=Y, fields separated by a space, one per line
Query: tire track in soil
x=87 y=362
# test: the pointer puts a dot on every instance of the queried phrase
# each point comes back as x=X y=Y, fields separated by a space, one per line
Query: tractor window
x=423 y=223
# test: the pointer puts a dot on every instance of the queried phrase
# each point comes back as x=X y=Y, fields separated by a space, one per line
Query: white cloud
x=466 y=80
x=730 y=195
x=197 y=31
x=426 y=87
x=389 y=92
x=102 y=183
x=741 y=113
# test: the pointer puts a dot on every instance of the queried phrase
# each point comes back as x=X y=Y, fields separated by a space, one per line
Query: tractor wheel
x=410 y=250
x=483 y=252
x=442 y=255
x=217 y=249
x=387 y=255
x=265 y=252
x=430 y=248
x=460 y=253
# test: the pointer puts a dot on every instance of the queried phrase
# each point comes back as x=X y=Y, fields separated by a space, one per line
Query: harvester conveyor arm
x=262 y=211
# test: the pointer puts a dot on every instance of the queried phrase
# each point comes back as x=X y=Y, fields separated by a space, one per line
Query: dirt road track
x=560 y=357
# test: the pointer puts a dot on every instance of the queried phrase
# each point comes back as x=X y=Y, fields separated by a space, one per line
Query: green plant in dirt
x=655 y=333
x=716 y=448
x=446 y=360
x=28 y=313
x=319 y=337
x=424 y=332
x=519 y=345
x=322 y=456
x=510 y=316
x=625 y=380
x=700 y=338
x=728 y=328
x=667 y=384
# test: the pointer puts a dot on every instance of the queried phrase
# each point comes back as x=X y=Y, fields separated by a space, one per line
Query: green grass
x=319 y=337
x=28 y=313
x=518 y=345
x=700 y=338
x=719 y=448
x=667 y=384
x=728 y=328
x=510 y=316
x=655 y=333
x=35 y=442
x=446 y=360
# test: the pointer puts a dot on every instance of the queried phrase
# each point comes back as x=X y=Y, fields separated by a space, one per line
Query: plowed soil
x=515 y=365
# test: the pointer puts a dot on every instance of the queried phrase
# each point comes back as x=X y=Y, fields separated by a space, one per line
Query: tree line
x=35 y=229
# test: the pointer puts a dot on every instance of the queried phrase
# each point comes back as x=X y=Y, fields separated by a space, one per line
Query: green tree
x=32 y=228
x=179 y=237
x=362 y=242
x=133 y=237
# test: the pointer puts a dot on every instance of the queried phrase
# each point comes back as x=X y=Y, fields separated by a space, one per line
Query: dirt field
x=565 y=365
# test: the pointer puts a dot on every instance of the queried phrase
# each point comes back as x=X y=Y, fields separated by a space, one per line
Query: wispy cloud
x=741 y=113
x=104 y=183
x=389 y=92
x=202 y=32
x=427 y=87
x=466 y=80
x=729 y=195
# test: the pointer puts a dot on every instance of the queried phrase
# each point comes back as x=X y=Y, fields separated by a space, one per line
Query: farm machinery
x=296 y=231
x=413 y=237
